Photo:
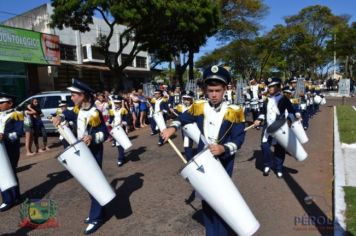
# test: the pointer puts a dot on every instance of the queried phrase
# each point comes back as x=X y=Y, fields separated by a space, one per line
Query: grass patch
x=346 y=116
x=350 y=198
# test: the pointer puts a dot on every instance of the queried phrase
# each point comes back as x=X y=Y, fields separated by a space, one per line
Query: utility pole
x=334 y=76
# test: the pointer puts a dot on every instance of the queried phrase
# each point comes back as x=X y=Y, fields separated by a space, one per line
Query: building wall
x=59 y=77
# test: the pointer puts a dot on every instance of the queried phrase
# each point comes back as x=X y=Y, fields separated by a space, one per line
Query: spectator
x=38 y=127
x=102 y=105
x=143 y=107
x=134 y=107
x=28 y=128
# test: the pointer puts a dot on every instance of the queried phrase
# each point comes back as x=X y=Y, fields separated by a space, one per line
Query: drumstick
x=177 y=151
x=250 y=127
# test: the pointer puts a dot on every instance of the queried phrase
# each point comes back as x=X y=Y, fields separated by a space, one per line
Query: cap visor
x=75 y=90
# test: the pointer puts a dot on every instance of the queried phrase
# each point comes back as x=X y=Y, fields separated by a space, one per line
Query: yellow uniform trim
x=179 y=108
x=124 y=111
x=111 y=112
x=94 y=120
x=76 y=109
x=153 y=100
x=197 y=109
x=234 y=114
x=17 y=116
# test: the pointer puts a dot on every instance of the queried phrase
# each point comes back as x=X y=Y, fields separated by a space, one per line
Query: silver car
x=48 y=102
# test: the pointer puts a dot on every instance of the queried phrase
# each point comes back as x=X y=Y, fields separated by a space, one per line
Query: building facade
x=80 y=58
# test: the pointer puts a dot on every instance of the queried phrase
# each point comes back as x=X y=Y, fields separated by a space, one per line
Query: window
x=51 y=102
x=68 y=52
x=124 y=58
x=97 y=53
x=141 y=62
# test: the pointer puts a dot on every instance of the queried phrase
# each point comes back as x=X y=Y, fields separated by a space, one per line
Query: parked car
x=48 y=102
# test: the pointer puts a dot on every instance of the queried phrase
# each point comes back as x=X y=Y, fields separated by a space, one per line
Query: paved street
x=151 y=193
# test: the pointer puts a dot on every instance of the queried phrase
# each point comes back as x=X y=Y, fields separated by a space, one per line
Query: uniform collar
x=8 y=111
x=275 y=95
x=216 y=108
x=86 y=108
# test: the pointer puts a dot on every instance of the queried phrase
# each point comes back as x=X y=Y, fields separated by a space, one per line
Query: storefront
x=21 y=52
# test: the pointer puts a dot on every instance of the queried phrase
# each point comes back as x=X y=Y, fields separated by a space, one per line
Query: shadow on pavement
x=120 y=207
x=198 y=217
x=24 y=168
x=44 y=188
x=133 y=137
x=40 y=192
x=134 y=155
x=315 y=216
x=258 y=157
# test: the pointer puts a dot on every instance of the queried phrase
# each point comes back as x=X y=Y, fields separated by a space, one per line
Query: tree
x=186 y=24
x=239 y=18
x=345 y=46
x=318 y=24
x=163 y=27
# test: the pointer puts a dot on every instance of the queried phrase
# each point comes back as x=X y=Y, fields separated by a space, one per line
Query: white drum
x=323 y=101
x=287 y=139
x=7 y=176
x=67 y=134
x=161 y=124
x=215 y=186
x=299 y=131
x=303 y=106
x=192 y=131
x=260 y=103
x=120 y=136
x=254 y=105
x=317 y=99
x=80 y=162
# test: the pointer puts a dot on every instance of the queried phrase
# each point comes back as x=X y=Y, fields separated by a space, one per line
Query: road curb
x=339 y=183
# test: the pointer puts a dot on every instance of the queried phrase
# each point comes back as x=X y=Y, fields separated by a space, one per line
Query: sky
x=278 y=9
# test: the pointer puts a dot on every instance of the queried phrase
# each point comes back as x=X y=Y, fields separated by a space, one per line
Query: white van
x=48 y=102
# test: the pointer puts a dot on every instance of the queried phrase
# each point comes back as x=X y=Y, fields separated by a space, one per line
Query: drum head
x=276 y=125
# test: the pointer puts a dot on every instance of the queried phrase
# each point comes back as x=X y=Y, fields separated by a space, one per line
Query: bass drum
x=80 y=162
x=210 y=180
x=287 y=139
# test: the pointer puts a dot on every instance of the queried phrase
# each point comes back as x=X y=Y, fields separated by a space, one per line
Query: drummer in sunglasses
x=223 y=128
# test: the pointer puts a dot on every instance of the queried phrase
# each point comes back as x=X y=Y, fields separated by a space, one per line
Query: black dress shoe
x=5 y=206
x=92 y=227
x=87 y=220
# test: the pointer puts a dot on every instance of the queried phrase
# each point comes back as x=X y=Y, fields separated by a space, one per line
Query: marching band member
x=187 y=98
x=11 y=129
x=304 y=111
x=229 y=94
x=222 y=125
x=63 y=109
x=159 y=104
x=92 y=130
x=273 y=109
x=254 y=90
x=118 y=116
